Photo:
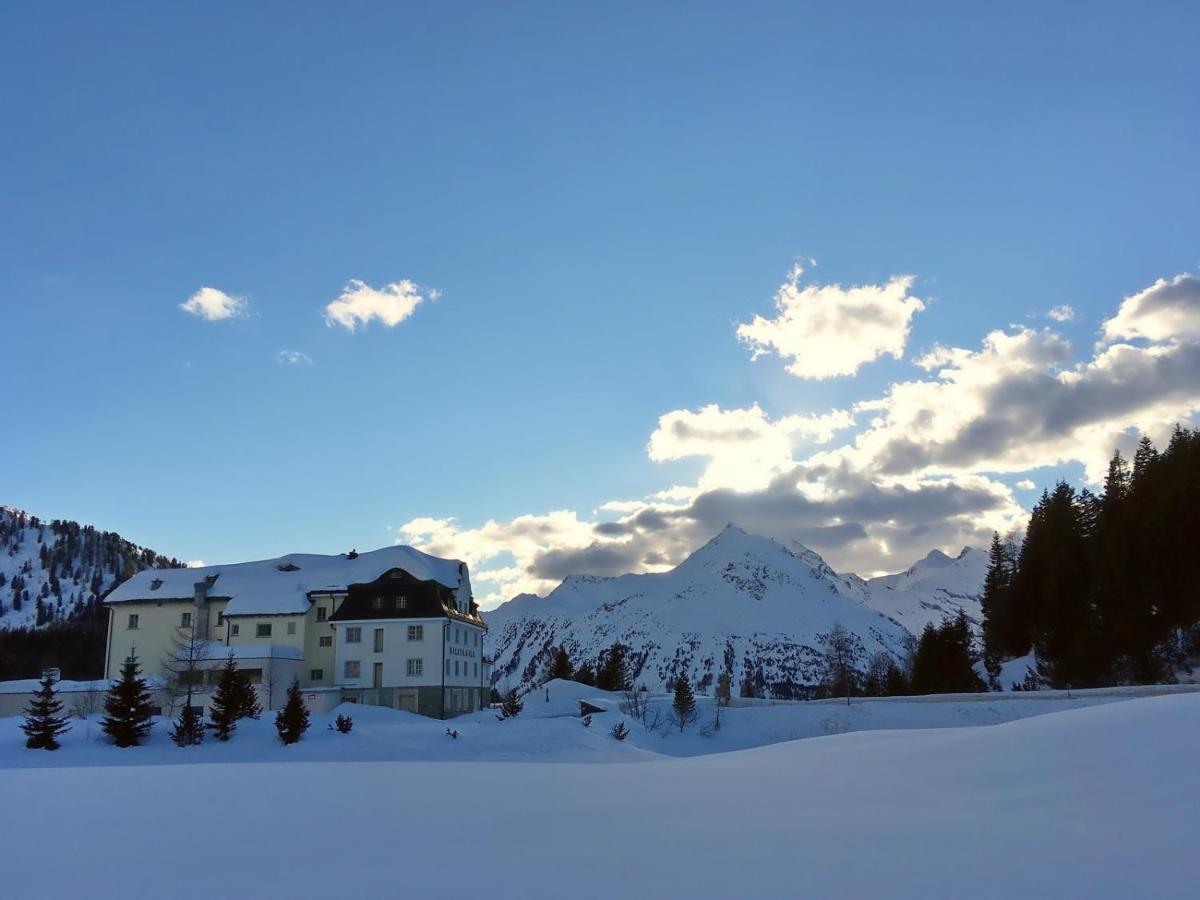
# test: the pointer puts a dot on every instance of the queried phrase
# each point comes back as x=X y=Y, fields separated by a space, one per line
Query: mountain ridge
x=758 y=606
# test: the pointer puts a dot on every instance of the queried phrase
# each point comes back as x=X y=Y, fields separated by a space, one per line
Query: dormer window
x=376 y=603
x=288 y=567
x=402 y=602
x=156 y=584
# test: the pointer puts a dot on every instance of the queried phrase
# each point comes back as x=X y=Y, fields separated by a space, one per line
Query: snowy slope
x=1052 y=806
x=67 y=566
x=932 y=589
x=741 y=603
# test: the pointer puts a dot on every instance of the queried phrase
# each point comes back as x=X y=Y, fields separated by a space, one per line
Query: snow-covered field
x=1098 y=798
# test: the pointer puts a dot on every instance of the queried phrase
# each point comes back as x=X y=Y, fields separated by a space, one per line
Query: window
x=193 y=677
x=378 y=648
x=376 y=603
x=354 y=635
x=416 y=667
x=321 y=614
x=456 y=667
x=220 y=618
x=316 y=674
x=326 y=640
x=353 y=668
x=262 y=629
x=402 y=602
x=476 y=670
x=447 y=667
x=416 y=632
x=133 y=620
x=234 y=629
x=291 y=629
x=185 y=620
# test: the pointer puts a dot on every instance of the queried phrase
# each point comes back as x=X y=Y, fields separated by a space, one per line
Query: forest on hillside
x=54 y=576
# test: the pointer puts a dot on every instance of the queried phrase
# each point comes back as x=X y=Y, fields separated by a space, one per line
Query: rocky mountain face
x=741 y=603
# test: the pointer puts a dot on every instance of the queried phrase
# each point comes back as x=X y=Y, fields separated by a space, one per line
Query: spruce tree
x=227 y=701
x=248 y=706
x=127 y=706
x=511 y=707
x=292 y=721
x=998 y=639
x=684 y=704
x=189 y=729
x=43 y=722
x=585 y=675
x=560 y=665
x=614 y=673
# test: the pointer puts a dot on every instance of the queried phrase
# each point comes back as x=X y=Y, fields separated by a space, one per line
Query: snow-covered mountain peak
x=733 y=546
x=742 y=603
x=932 y=588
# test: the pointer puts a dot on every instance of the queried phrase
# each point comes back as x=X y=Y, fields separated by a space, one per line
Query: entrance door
x=407 y=700
x=377 y=675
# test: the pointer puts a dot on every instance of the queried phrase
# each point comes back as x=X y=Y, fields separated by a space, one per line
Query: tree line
x=1104 y=589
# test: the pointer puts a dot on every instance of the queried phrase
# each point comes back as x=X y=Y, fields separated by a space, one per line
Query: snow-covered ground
x=1096 y=799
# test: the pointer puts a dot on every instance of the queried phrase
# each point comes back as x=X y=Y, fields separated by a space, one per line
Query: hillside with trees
x=54 y=576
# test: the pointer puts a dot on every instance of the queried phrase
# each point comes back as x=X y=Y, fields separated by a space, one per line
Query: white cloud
x=744 y=447
x=1063 y=313
x=293 y=358
x=828 y=330
x=213 y=305
x=1167 y=310
x=359 y=303
x=922 y=473
x=1018 y=404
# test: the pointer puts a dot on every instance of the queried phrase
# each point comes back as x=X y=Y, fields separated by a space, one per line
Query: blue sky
x=599 y=195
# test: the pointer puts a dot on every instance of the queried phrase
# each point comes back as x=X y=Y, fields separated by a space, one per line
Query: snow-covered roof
x=281 y=586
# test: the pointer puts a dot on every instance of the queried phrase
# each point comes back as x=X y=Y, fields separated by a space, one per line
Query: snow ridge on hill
x=52 y=571
x=741 y=603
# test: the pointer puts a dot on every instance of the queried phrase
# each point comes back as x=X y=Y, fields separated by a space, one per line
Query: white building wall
x=464 y=645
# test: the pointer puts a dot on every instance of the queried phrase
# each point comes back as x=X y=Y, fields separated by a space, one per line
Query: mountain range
x=742 y=603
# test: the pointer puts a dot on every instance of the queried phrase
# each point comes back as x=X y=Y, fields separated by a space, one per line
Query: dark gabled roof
x=398 y=595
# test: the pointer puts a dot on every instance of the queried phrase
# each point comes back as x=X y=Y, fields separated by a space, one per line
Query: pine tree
x=227 y=701
x=43 y=722
x=684 y=704
x=189 y=729
x=248 y=706
x=127 y=706
x=1000 y=639
x=585 y=675
x=511 y=707
x=614 y=673
x=292 y=721
x=560 y=665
